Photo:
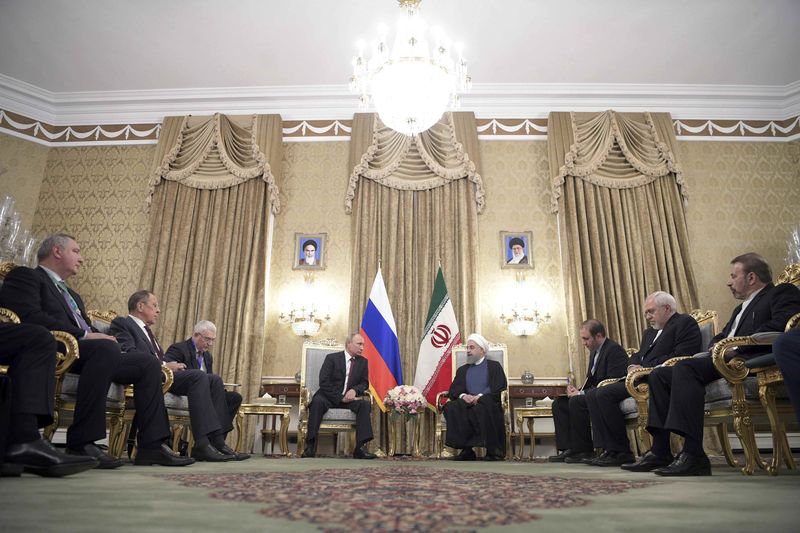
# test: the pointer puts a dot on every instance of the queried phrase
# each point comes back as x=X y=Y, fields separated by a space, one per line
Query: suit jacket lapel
x=142 y=337
x=57 y=294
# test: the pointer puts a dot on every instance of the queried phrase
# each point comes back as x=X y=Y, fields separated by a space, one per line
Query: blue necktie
x=73 y=306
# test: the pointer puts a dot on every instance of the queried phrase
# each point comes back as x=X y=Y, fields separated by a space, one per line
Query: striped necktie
x=73 y=306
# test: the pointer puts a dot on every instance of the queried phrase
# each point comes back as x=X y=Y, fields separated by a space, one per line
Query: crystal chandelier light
x=412 y=84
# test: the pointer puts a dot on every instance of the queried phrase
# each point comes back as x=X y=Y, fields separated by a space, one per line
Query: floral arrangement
x=405 y=399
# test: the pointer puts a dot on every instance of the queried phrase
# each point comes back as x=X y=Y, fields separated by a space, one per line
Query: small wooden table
x=274 y=410
x=529 y=414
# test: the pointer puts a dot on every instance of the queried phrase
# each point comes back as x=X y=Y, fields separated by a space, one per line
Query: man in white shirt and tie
x=570 y=413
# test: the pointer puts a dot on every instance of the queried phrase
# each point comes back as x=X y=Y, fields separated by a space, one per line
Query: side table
x=529 y=414
x=274 y=410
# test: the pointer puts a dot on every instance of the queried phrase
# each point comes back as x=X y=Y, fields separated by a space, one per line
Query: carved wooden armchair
x=634 y=423
x=335 y=420
x=636 y=407
x=497 y=352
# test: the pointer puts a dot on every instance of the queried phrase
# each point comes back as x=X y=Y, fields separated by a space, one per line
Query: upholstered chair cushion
x=69 y=390
x=628 y=408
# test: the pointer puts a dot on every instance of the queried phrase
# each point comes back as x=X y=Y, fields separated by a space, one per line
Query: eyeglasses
x=208 y=339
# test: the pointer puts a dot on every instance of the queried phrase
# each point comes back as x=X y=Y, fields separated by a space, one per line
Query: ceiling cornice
x=750 y=102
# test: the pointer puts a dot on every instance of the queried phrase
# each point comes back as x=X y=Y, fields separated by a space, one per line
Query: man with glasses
x=207 y=408
x=193 y=352
x=670 y=334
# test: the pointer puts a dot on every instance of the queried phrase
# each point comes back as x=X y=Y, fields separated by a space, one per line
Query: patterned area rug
x=400 y=499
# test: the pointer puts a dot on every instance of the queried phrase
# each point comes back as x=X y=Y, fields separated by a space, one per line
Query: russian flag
x=380 y=343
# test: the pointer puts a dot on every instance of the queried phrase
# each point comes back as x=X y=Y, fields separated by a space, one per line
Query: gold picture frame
x=301 y=261
x=511 y=239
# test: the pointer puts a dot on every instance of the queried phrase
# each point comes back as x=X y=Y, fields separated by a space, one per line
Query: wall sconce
x=523 y=319
x=305 y=319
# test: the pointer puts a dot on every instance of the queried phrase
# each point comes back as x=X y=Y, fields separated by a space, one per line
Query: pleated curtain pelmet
x=619 y=193
x=415 y=205
x=215 y=183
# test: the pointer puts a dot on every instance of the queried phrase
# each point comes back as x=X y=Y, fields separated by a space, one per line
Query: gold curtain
x=206 y=256
x=415 y=204
x=620 y=197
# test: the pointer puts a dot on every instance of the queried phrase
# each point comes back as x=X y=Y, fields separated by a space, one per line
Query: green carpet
x=195 y=498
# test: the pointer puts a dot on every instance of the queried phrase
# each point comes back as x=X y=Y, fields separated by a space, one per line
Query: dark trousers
x=208 y=410
x=320 y=405
x=30 y=352
x=608 y=422
x=233 y=400
x=571 y=420
x=475 y=425
x=101 y=363
x=787 y=355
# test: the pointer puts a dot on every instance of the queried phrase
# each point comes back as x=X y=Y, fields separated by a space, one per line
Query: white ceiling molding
x=749 y=102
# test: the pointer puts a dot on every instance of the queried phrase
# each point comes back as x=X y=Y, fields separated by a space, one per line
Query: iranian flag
x=434 y=366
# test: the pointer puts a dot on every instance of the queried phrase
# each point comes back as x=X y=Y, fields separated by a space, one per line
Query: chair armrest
x=439 y=395
x=766 y=337
x=675 y=360
x=64 y=361
x=169 y=377
x=636 y=383
x=733 y=369
x=609 y=381
x=793 y=322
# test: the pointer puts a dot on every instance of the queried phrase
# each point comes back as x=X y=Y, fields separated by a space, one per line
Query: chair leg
x=743 y=424
x=722 y=434
x=780 y=445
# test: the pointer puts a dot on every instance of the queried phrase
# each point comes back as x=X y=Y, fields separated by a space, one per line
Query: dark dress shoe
x=591 y=460
x=310 y=450
x=613 y=459
x=11 y=470
x=91 y=450
x=41 y=458
x=208 y=453
x=361 y=453
x=236 y=455
x=647 y=463
x=163 y=455
x=686 y=465
x=467 y=454
x=578 y=457
x=494 y=457
x=562 y=455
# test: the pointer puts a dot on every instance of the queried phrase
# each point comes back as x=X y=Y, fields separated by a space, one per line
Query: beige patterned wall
x=21 y=170
x=742 y=197
x=97 y=194
x=312 y=199
x=515 y=175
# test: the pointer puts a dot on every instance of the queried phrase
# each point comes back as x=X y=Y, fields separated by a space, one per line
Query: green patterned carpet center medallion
x=397 y=499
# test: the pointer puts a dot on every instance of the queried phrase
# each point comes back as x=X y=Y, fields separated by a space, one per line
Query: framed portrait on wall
x=516 y=249
x=309 y=251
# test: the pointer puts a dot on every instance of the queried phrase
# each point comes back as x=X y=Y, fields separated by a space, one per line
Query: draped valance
x=218 y=152
x=443 y=154
x=612 y=150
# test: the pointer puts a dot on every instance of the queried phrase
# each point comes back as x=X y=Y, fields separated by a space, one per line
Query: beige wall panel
x=97 y=194
x=515 y=175
x=315 y=179
x=21 y=170
x=743 y=197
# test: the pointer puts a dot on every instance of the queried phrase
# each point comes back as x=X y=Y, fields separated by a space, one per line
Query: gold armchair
x=636 y=383
x=497 y=352
x=335 y=420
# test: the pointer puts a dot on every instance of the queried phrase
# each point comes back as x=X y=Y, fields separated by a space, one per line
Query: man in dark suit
x=474 y=414
x=607 y=360
x=787 y=357
x=206 y=396
x=677 y=393
x=194 y=353
x=343 y=377
x=30 y=352
x=671 y=334
x=42 y=297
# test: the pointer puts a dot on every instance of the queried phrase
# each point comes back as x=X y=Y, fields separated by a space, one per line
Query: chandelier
x=304 y=320
x=412 y=84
